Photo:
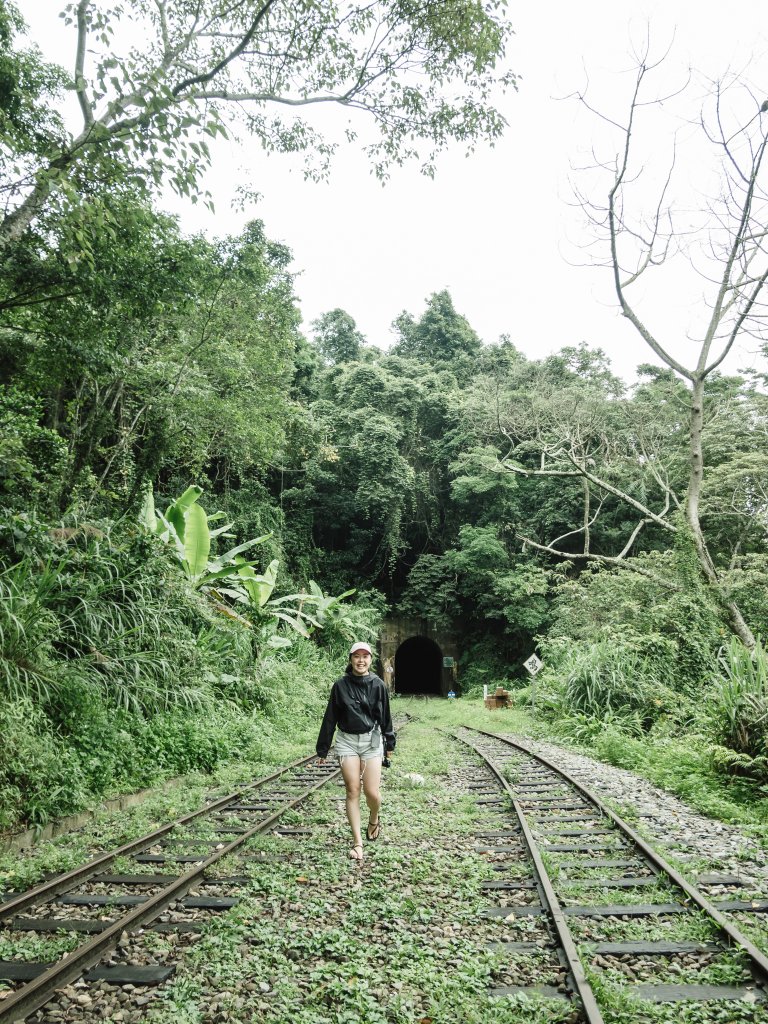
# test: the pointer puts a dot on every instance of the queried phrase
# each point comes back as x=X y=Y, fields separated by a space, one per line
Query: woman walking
x=358 y=709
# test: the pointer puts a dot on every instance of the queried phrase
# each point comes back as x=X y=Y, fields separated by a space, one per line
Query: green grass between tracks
x=671 y=766
x=320 y=940
x=317 y=941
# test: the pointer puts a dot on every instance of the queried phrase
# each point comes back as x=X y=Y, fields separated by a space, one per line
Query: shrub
x=676 y=632
x=747 y=582
x=40 y=778
x=32 y=457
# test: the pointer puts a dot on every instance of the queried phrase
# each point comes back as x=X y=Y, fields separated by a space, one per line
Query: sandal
x=374 y=830
x=354 y=855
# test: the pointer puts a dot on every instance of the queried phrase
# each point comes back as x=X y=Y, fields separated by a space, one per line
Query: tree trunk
x=693 y=499
x=16 y=223
x=585 y=485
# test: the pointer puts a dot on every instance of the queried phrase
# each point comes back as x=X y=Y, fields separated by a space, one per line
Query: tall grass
x=125 y=626
x=604 y=682
x=28 y=631
x=737 y=709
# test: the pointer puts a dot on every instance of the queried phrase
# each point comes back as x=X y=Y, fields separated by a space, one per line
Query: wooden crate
x=497 y=700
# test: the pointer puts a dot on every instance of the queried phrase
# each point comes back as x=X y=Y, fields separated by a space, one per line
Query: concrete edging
x=19 y=841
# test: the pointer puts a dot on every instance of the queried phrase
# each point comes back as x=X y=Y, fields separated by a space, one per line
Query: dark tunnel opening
x=418 y=666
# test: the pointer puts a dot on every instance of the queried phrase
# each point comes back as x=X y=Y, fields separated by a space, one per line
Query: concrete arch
x=417 y=657
x=419 y=666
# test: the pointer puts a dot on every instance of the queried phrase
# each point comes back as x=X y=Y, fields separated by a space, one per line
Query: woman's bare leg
x=350 y=771
x=372 y=788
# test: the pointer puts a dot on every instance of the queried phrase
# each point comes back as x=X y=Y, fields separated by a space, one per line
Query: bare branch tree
x=729 y=249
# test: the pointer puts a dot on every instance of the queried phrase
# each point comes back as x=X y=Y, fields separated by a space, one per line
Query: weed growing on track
x=755 y=927
x=682 y=765
x=728 y=969
x=691 y=927
x=621 y=1007
x=573 y=894
x=318 y=940
x=28 y=946
x=289 y=731
x=109 y=829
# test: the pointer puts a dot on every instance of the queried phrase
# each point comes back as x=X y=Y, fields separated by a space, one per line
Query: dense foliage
x=117 y=672
x=191 y=489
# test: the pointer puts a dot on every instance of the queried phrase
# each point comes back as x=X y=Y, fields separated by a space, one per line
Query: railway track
x=572 y=910
x=603 y=916
x=163 y=883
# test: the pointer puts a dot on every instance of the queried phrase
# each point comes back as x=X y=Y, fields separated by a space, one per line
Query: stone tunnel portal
x=418 y=666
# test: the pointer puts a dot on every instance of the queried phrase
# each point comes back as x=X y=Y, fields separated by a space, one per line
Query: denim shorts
x=364 y=745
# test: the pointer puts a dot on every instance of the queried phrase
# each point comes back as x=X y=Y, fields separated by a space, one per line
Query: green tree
x=604 y=472
x=31 y=455
x=30 y=121
x=72 y=333
x=374 y=491
x=165 y=358
x=231 y=349
x=337 y=338
x=423 y=72
x=439 y=336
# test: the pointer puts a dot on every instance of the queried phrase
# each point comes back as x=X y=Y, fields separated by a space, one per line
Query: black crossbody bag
x=385 y=762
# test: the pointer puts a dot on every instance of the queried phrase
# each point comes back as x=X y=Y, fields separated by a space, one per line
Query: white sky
x=497 y=229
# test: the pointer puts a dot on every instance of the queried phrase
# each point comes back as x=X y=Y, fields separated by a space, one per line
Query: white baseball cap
x=360 y=647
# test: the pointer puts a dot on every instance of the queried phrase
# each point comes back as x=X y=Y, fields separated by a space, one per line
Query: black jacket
x=356 y=705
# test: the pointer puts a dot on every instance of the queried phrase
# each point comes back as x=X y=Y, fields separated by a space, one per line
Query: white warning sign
x=533 y=664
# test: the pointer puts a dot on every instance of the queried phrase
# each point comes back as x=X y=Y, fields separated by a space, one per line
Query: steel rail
x=36 y=993
x=61 y=883
x=584 y=991
x=730 y=931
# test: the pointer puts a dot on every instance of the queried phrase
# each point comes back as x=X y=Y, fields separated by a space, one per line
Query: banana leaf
x=147 y=514
x=197 y=541
x=259 y=587
x=292 y=597
x=221 y=530
x=224 y=572
x=177 y=512
x=186 y=500
x=296 y=624
x=235 y=595
x=168 y=533
x=229 y=555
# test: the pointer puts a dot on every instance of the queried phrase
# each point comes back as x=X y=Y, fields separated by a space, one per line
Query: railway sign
x=533 y=664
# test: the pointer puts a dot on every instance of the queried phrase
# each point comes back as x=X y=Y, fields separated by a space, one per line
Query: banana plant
x=186 y=526
x=292 y=608
x=325 y=608
x=258 y=589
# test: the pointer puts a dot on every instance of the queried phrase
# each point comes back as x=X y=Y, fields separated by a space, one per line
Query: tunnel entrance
x=418 y=666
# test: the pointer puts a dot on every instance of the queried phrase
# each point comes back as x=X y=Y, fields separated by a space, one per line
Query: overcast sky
x=499 y=228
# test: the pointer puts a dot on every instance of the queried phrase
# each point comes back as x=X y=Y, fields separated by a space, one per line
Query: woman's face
x=361 y=662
